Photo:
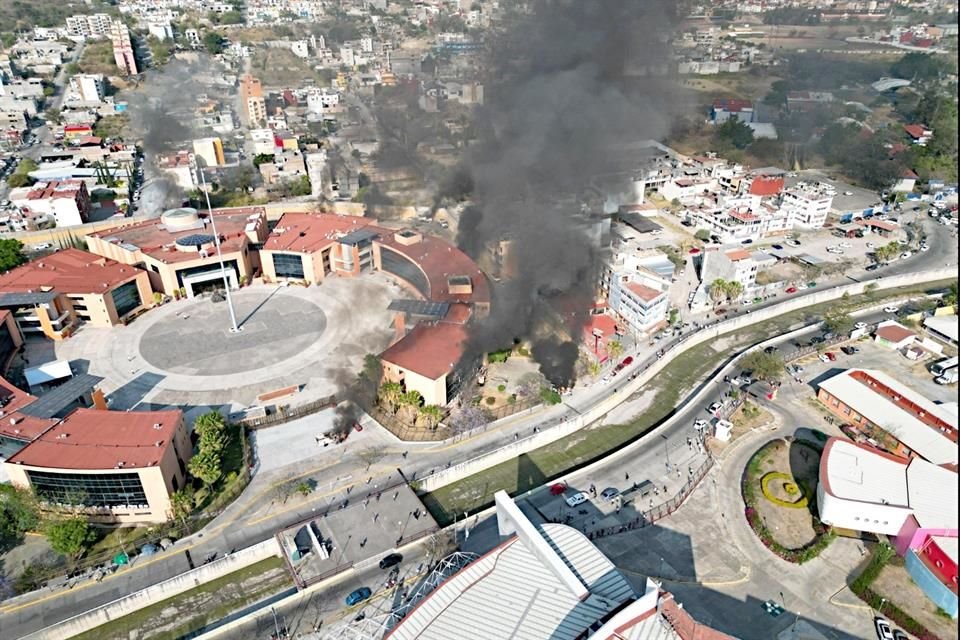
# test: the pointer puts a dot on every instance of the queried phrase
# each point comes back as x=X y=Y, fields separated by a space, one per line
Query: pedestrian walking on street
x=626 y=476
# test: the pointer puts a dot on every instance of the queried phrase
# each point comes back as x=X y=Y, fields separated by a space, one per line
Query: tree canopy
x=735 y=133
x=11 y=254
x=765 y=366
x=71 y=536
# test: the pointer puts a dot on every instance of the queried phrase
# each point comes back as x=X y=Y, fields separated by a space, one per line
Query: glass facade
x=207 y=268
x=288 y=265
x=401 y=266
x=126 y=298
x=88 y=490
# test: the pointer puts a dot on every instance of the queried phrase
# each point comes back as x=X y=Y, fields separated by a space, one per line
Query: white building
x=160 y=30
x=67 y=202
x=640 y=299
x=320 y=99
x=262 y=141
x=807 y=205
x=864 y=489
x=97 y=25
x=86 y=88
x=300 y=48
x=192 y=36
x=181 y=168
x=209 y=151
x=347 y=56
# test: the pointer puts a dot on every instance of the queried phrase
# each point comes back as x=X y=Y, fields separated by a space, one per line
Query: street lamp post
x=666 y=449
x=234 y=328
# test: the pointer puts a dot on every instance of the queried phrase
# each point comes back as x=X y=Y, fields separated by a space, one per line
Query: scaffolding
x=377 y=625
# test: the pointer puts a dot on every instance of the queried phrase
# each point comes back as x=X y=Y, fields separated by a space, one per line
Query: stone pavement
x=182 y=353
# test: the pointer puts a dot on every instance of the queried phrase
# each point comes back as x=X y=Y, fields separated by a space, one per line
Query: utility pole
x=234 y=328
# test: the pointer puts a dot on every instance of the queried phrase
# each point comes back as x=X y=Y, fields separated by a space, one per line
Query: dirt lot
x=280 y=68
x=896 y=585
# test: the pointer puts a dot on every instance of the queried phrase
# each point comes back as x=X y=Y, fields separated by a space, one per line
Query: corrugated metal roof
x=922 y=438
x=510 y=593
x=933 y=495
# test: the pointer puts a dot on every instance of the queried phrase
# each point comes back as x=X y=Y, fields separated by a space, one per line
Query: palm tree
x=411 y=399
x=718 y=290
x=615 y=349
x=734 y=289
x=389 y=395
x=431 y=414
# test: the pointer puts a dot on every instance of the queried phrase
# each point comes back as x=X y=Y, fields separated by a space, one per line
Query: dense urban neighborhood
x=440 y=319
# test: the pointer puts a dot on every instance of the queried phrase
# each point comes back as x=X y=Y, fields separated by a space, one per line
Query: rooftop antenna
x=216 y=242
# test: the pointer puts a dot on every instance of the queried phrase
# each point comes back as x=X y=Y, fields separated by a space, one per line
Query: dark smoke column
x=567 y=82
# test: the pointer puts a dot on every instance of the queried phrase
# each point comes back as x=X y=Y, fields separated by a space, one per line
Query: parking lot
x=914 y=374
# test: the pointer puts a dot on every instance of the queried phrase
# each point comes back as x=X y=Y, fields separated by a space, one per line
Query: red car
x=831 y=356
x=357 y=426
x=557 y=489
x=694 y=251
x=792 y=290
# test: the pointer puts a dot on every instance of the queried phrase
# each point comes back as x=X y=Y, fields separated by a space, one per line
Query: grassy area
x=684 y=372
x=98 y=58
x=198 y=607
x=281 y=68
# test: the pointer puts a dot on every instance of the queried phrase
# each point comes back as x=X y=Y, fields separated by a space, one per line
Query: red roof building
x=766 y=185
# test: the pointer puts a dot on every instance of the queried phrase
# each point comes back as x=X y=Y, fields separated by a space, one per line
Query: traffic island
x=779 y=494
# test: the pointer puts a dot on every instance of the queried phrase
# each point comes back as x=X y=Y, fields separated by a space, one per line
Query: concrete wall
x=551 y=434
x=158 y=592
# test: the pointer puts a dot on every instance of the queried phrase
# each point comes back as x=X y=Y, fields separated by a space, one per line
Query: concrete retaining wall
x=158 y=592
x=550 y=434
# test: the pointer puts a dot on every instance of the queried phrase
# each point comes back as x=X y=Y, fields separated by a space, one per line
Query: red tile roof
x=310 y=232
x=738 y=254
x=732 y=104
x=55 y=189
x=643 y=292
x=431 y=350
x=68 y=271
x=14 y=424
x=438 y=259
x=915 y=131
x=895 y=333
x=96 y=439
x=766 y=185
x=151 y=236
x=879 y=224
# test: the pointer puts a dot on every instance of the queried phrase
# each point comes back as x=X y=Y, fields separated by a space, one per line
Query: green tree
x=412 y=399
x=301 y=187
x=702 y=235
x=390 y=394
x=11 y=254
x=718 y=290
x=918 y=67
x=213 y=42
x=19 y=180
x=765 y=366
x=207 y=463
x=70 y=536
x=304 y=488
x=950 y=297
x=432 y=415
x=550 y=396
x=182 y=503
x=734 y=290
x=615 y=349
x=18 y=514
x=734 y=132
x=838 y=322
x=262 y=158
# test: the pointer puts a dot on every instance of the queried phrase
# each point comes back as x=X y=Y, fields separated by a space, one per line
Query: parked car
x=576 y=499
x=831 y=356
x=771 y=349
x=713 y=408
x=791 y=290
x=609 y=494
x=823 y=357
x=891 y=309
x=860 y=325
x=905 y=255
x=884 y=631
x=746 y=241
x=359 y=595
x=778 y=247
x=699 y=424
x=626 y=362
x=873 y=267
x=390 y=560
x=720 y=312
x=793 y=243
x=899 y=635
x=811 y=285
x=848 y=350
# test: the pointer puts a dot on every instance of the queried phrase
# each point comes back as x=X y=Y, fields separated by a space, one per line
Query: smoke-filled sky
x=565 y=83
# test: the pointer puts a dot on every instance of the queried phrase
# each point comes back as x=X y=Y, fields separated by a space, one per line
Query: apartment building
x=807 y=205
x=66 y=201
x=123 y=53
x=252 y=104
x=97 y=25
x=209 y=152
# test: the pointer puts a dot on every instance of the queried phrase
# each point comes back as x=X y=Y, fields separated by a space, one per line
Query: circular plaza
x=184 y=352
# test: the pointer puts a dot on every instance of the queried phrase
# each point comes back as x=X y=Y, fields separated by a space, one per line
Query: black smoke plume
x=570 y=84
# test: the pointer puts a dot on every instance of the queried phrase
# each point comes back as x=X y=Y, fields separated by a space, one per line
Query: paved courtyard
x=183 y=352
